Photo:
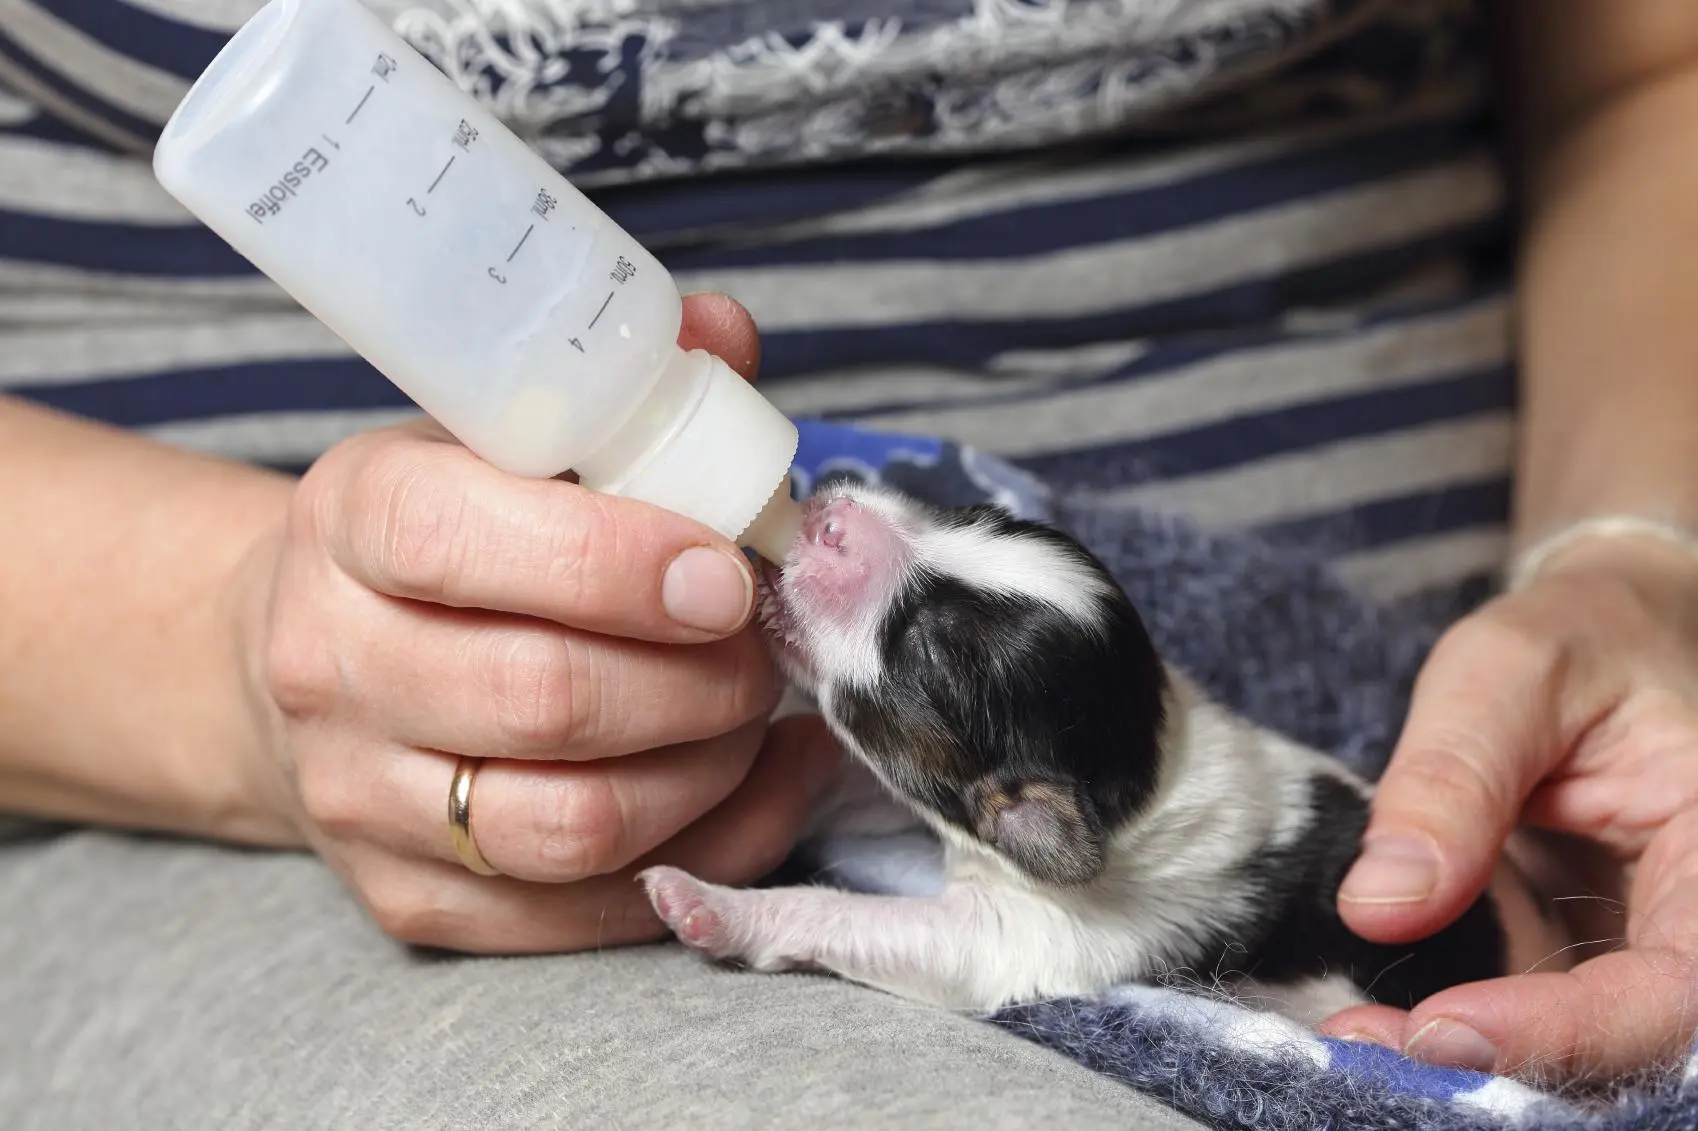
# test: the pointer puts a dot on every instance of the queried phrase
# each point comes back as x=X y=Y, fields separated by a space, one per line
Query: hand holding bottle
x=421 y=605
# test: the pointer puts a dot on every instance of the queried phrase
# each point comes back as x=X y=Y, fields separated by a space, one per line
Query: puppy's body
x=1103 y=821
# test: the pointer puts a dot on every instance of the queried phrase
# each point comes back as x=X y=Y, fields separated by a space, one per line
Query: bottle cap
x=705 y=445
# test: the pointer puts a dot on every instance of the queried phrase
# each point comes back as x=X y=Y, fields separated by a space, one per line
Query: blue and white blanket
x=1276 y=636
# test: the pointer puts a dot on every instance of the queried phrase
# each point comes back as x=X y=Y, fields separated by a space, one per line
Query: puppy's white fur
x=991 y=937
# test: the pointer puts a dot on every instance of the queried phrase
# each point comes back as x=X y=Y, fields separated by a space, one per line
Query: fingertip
x=1389 y=924
x=628 y=568
x=1629 y=1011
x=1394 y=869
x=708 y=590
x=1402 y=887
x=724 y=327
x=1499 y=1025
x=1366 y=1024
x=1450 y=1043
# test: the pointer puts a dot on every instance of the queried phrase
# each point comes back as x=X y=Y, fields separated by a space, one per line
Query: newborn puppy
x=1103 y=822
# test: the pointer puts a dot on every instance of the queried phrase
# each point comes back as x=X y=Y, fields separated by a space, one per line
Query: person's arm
x=121 y=683
x=1606 y=100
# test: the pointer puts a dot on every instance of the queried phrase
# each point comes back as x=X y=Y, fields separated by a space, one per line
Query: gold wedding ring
x=460 y=817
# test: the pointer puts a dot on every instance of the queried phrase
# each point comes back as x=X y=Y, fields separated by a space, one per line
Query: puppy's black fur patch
x=1297 y=931
x=1011 y=720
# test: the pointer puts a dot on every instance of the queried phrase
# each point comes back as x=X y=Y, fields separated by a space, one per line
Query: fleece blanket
x=1276 y=636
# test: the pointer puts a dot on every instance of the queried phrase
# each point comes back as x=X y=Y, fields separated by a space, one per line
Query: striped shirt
x=1279 y=305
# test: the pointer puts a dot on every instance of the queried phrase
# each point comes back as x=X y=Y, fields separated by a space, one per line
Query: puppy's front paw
x=723 y=923
x=686 y=905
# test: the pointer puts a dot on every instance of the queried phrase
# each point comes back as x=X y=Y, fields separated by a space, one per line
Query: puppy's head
x=989 y=670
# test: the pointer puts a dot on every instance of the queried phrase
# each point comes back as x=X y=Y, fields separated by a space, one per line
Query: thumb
x=1483 y=730
x=719 y=324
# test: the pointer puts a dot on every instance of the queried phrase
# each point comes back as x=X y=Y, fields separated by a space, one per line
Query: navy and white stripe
x=1295 y=330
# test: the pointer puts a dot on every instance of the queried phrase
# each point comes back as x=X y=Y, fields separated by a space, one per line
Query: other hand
x=1570 y=708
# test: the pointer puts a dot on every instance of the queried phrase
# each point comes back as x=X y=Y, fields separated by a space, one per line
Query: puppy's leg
x=968 y=947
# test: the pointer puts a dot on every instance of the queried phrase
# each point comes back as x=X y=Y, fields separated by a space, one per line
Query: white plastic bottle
x=456 y=261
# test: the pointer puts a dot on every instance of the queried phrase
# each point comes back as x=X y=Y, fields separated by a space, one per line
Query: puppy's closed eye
x=1048 y=829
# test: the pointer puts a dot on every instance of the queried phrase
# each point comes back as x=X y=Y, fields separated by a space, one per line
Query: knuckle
x=301 y=671
x=582 y=826
x=331 y=488
x=328 y=796
x=585 y=547
x=1504 y=642
x=408 y=913
x=312 y=506
x=542 y=695
x=409 y=524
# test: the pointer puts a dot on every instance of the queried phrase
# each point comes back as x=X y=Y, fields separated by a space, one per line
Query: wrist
x=120 y=703
x=256 y=804
x=200 y=766
x=1651 y=556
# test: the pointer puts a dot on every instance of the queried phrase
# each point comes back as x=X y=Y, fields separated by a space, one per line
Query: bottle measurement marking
x=600 y=312
x=362 y=105
x=440 y=175
x=521 y=242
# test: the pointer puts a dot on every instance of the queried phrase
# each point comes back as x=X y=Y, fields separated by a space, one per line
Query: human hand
x=1570 y=707
x=421 y=605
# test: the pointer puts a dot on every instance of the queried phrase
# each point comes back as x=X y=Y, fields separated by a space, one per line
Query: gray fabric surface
x=148 y=984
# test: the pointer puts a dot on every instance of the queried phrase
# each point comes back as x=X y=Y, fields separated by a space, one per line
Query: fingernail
x=707 y=589
x=1361 y=1037
x=1451 y=1044
x=1395 y=868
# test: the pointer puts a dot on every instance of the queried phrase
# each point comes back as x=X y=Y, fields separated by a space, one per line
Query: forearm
x=121 y=685
x=1609 y=279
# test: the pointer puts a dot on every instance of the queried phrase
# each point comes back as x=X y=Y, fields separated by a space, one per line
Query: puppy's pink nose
x=824 y=527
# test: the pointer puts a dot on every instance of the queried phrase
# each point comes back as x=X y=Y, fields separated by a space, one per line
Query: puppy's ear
x=1049 y=830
